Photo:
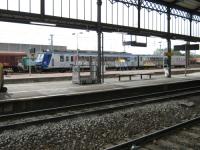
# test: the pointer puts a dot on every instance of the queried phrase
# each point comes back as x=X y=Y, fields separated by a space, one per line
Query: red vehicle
x=11 y=59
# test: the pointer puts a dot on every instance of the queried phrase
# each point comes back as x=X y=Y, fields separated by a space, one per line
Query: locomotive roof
x=90 y=52
x=107 y=53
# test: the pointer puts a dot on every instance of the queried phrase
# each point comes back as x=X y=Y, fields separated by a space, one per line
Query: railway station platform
x=41 y=95
x=55 y=88
x=46 y=77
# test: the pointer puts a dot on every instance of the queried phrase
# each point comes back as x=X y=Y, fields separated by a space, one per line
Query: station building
x=27 y=47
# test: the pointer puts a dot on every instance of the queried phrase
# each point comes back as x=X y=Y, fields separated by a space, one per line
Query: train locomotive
x=64 y=60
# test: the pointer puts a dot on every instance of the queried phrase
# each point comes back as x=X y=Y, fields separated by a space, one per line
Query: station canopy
x=193 y=5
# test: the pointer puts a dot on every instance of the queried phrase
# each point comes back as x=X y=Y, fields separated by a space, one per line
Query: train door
x=133 y=62
x=67 y=61
x=58 y=60
x=62 y=61
x=140 y=60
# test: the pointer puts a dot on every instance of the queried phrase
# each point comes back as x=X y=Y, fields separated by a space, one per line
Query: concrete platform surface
x=44 y=89
x=45 y=77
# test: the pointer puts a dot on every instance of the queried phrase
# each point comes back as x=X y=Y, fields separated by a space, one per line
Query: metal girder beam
x=22 y=17
x=27 y=18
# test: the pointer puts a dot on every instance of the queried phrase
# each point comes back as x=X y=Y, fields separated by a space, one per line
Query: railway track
x=182 y=136
x=19 y=120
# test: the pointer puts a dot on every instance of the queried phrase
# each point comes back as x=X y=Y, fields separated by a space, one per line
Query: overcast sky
x=33 y=34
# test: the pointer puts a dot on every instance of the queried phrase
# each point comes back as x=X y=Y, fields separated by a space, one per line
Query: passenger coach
x=64 y=60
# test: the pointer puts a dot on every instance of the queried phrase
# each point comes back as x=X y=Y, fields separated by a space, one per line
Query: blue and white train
x=64 y=60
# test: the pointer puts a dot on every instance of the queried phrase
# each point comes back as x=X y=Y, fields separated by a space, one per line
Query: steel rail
x=80 y=113
x=152 y=136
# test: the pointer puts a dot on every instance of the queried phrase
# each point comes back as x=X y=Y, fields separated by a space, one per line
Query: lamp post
x=51 y=42
x=77 y=51
x=163 y=55
x=52 y=48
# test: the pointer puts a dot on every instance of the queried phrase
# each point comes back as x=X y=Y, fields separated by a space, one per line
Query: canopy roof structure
x=192 y=6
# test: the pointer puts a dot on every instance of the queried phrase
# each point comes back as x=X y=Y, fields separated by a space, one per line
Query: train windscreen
x=39 y=58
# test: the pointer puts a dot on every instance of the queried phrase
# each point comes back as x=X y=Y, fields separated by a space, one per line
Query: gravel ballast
x=97 y=132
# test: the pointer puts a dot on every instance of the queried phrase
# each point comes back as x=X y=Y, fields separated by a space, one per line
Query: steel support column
x=103 y=59
x=99 y=32
x=42 y=7
x=139 y=13
x=168 y=42
x=169 y=57
x=187 y=53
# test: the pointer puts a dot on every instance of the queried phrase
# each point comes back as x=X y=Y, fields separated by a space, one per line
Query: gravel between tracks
x=98 y=132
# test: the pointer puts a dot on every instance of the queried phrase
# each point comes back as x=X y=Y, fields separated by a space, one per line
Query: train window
x=72 y=58
x=140 y=58
x=87 y=58
x=67 y=58
x=61 y=58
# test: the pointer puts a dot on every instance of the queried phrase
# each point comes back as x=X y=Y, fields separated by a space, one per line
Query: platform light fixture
x=77 y=38
x=43 y=24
